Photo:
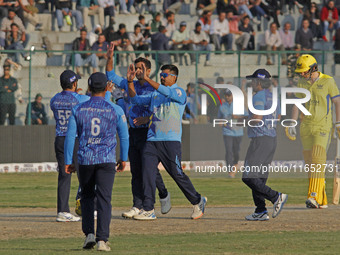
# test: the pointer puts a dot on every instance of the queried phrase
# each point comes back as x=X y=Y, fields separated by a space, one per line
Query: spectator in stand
x=15 y=6
x=273 y=42
x=64 y=8
x=246 y=27
x=8 y=85
x=139 y=8
x=169 y=23
x=102 y=46
x=330 y=19
x=238 y=36
x=138 y=41
x=287 y=37
x=258 y=11
x=155 y=23
x=160 y=41
x=109 y=8
x=220 y=33
x=172 y=6
x=243 y=9
x=205 y=21
x=30 y=13
x=313 y=16
x=145 y=29
x=82 y=44
x=304 y=37
x=3 y=9
x=14 y=41
x=38 y=113
x=337 y=46
x=93 y=35
x=124 y=43
x=6 y=27
x=181 y=41
x=125 y=6
x=109 y=32
x=200 y=41
x=91 y=8
x=226 y=6
x=205 y=6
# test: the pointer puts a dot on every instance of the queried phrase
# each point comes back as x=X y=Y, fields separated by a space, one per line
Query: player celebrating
x=164 y=137
x=139 y=116
x=261 y=150
x=96 y=122
x=315 y=129
x=61 y=105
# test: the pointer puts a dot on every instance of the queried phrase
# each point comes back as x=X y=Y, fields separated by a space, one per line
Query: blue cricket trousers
x=137 y=140
x=101 y=176
x=64 y=179
x=169 y=153
x=260 y=152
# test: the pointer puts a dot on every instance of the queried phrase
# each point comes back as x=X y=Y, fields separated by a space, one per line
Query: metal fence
x=41 y=73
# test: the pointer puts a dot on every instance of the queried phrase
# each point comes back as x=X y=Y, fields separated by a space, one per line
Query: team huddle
x=85 y=143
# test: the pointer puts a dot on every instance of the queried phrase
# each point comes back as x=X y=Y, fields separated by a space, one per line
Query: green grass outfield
x=29 y=190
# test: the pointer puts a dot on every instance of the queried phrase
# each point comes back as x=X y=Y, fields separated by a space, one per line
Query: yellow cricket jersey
x=322 y=92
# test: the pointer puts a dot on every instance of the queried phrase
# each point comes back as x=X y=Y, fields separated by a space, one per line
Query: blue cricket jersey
x=61 y=105
x=167 y=105
x=96 y=122
x=263 y=100
x=226 y=112
x=134 y=110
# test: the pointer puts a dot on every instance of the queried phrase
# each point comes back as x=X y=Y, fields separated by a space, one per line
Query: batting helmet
x=305 y=63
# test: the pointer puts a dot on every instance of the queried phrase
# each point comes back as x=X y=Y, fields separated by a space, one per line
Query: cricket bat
x=336 y=185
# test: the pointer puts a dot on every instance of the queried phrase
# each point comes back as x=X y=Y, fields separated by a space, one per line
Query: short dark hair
x=205 y=13
x=246 y=17
x=161 y=28
x=198 y=24
x=146 y=62
x=67 y=85
x=140 y=17
x=83 y=30
x=172 y=68
x=168 y=14
x=14 y=25
x=6 y=66
x=96 y=90
x=121 y=26
x=137 y=25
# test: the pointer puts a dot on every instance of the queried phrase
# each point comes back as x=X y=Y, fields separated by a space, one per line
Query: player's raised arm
x=110 y=73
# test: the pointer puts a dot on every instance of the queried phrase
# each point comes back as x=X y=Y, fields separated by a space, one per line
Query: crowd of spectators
x=232 y=29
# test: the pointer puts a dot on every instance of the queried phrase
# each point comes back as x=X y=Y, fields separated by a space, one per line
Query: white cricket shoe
x=66 y=217
x=146 y=215
x=278 y=205
x=130 y=214
x=165 y=204
x=323 y=206
x=311 y=203
x=103 y=246
x=90 y=241
x=198 y=210
x=258 y=216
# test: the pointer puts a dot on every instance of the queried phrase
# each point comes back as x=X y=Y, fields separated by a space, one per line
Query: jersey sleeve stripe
x=335 y=96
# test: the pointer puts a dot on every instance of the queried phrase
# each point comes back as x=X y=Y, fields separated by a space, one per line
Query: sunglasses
x=164 y=75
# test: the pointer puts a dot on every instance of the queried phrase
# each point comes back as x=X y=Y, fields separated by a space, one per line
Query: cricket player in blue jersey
x=96 y=122
x=61 y=106
x=261 y=149
x=232 y=134
x=138 y=118
x=163 y=144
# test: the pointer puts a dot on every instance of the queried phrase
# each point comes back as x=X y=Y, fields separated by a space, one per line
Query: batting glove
x=337 y=128
x=291 y=133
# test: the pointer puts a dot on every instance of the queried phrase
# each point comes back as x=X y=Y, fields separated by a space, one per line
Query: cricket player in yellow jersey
x=315 y=129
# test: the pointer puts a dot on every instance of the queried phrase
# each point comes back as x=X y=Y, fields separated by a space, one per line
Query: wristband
x=130 y=81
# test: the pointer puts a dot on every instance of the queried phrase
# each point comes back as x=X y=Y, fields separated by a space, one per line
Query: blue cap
x=68 y=77
x=259 y=74
x=97 y=80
